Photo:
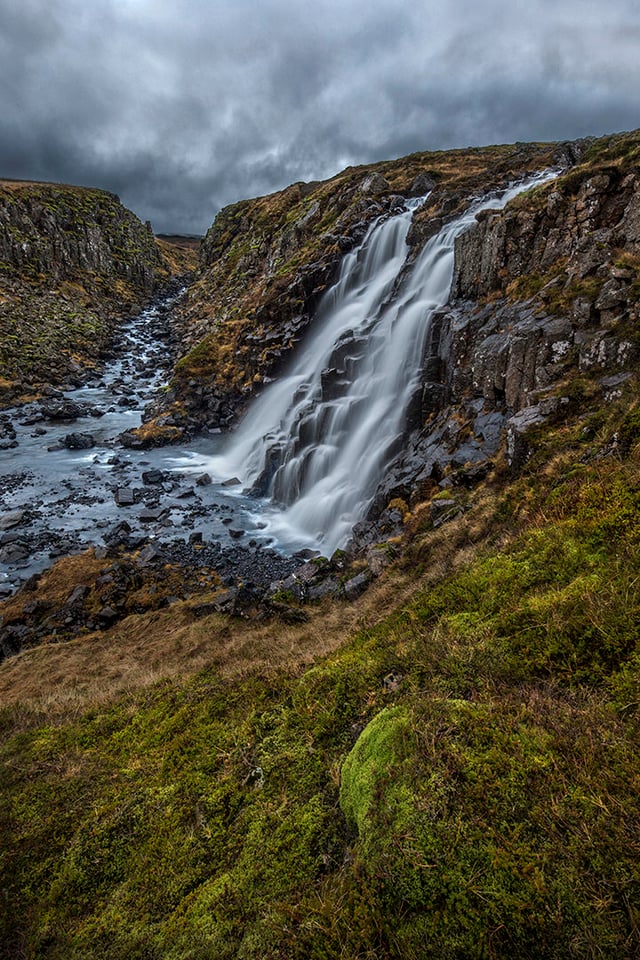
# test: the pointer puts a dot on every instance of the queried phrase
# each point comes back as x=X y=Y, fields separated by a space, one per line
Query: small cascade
x=317 y=441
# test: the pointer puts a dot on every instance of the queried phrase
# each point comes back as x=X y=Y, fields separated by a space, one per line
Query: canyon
x=344 y=660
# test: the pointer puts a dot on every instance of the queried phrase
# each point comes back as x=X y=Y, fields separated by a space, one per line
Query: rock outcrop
x=266 y=262
x=73 y=261
x=544 y=310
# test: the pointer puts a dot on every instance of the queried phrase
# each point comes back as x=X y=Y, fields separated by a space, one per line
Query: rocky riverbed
x=67 y=482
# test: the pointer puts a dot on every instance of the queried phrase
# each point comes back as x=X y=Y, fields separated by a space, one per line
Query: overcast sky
x=182 y=106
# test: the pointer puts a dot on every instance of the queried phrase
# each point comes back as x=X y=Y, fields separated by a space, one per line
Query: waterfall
x=317 y=441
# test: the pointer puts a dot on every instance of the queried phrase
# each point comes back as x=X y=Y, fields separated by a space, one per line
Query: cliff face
x=72 y=262
x=543 y=321
x=266 y=262
x=543 y=311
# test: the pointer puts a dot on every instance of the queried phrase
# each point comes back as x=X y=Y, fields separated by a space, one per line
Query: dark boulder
x=79 y=441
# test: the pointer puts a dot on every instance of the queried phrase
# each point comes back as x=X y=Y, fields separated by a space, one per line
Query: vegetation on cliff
x=73 y=262
x=265 y=262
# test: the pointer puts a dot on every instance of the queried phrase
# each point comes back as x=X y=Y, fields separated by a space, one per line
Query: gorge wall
x=542 y=317
x=73 y=262
x=543 y=320
x=265 y=263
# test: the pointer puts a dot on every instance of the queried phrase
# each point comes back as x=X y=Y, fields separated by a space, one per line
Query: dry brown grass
x=99 y=667
x=145 y=648
x=13 y=185
x=180 y=253
x=56 y=583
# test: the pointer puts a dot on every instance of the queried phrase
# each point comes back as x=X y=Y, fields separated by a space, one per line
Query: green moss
x=474 y=850
x=374 y=760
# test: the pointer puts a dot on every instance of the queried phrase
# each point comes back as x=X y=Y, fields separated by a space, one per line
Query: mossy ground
x=458 y=777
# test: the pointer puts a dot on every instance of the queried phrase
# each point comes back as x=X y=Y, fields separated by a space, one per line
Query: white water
x=317 y=440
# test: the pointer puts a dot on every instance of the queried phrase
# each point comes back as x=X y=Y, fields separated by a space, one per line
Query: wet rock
x=236 y=533
x=14 y=552
x=306 y=554
x=204 y=480
x=185 y=494
x=150 y=515
x=232 y=482
x=118 y=535
x=79 y=441
x=12 y=519
x=7 y=429
x=152 y=477
x=124 y=497
x=63 y=410
x=130 y=440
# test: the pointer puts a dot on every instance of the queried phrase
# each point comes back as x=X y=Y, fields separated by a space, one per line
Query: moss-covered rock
x=375 y=761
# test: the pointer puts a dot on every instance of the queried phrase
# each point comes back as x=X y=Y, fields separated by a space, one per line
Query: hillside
x=73 y=263
x=443 y=766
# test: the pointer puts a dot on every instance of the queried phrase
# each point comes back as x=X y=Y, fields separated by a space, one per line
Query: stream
x=67 y=483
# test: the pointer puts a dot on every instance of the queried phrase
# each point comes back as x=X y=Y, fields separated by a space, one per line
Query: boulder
x=124 y=497
x=12 y=519
x=79 y=441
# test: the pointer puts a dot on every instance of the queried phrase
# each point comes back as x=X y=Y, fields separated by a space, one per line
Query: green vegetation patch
x=486 y=803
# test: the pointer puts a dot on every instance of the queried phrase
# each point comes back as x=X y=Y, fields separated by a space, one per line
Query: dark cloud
x=181 y=106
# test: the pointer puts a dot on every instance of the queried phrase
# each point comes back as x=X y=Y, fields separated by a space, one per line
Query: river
x=56 y=501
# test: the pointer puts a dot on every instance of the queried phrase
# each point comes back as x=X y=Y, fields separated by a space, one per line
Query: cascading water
x=317 y=440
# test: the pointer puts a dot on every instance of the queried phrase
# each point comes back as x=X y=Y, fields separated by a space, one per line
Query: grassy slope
x=490 y=808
